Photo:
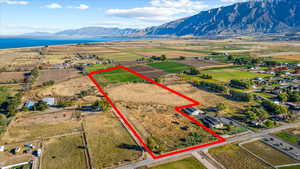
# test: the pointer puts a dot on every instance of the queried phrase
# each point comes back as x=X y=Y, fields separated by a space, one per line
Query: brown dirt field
x=11 y=76
x=148 y=71
x=23 y=131
x=144 y=93
x=148 y=93
x=56 y=75
x=67 y=88
x=45 y=117
x=172 y=54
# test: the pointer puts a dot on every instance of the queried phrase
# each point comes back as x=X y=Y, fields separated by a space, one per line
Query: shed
x=29 y=104
x=192 y=111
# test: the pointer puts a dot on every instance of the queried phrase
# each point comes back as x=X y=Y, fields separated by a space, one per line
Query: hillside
x=268 y=16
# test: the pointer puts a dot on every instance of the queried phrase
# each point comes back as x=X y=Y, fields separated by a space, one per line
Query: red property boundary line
x=178 y=109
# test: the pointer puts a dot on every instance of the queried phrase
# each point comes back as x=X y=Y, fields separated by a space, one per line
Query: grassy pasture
x=190 y=163
x=170 y=67
x=269 y=154
x=64 y=153
x=288 y=137
x=225 y=75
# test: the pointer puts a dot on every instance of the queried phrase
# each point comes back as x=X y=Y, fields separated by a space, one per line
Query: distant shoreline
x=21 y=42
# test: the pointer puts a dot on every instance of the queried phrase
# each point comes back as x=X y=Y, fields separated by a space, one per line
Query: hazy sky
x=22 y=16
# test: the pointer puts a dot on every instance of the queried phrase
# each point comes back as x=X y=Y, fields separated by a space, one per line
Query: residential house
x=212 y=122
x=193 y=111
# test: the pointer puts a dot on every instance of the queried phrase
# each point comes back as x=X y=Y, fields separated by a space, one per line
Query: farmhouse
x=212 y=122
x=193 y=111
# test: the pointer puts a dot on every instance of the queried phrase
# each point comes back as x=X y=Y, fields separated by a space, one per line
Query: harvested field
x=23 y=130
x=144 y=93
x=147 y=93
x=233 y=157
x=108 y=141
x=172 y=54
x=67 y=88
x=64 y=153
x=36 y=118
x=12 y=76
x=56 y=75
x=269 y=154
x=148 y=71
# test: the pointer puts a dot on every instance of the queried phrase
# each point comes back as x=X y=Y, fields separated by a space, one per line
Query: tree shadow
x=131 y=147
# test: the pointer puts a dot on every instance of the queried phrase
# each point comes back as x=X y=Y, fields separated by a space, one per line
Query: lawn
x=288 y=137
x=233 y=157
x=171 y=67
x=186 y=163
x=108 y=141
x=64 y=153
x=225 y=75
x=269 y=154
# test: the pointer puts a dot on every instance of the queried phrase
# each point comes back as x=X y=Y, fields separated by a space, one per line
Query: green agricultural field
x=290 y=167
x=225 y=75
x=288 y=137
x=269 y=154
x=171 y=67
x=64 y=153
x=232 y=157
x=187 y=163
x=282 y=60
x=114 y=76
x=120 y=56
x=96 y=67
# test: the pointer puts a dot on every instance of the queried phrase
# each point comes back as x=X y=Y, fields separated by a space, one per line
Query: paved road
x=230 y=140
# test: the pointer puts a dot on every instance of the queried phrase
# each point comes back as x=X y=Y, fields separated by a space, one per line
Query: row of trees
x=240 y=84
x=289 y=96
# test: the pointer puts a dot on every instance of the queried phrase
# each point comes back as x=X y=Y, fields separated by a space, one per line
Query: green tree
x=269 y=124
x=221 y=106
x=3 y=120
x=163 y=57
x=283 y=97
x=40 y=106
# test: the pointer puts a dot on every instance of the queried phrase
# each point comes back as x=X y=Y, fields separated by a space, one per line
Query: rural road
x=230 y=140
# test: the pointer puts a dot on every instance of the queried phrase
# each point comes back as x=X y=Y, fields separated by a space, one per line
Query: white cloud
x=161 y=10
x=14 y=2
x=53 y=6
x=81 y=6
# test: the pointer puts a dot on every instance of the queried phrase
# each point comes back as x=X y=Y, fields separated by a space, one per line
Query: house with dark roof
x=212 y=122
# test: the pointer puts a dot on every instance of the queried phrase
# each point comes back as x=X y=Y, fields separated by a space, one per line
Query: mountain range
x=252 y=17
